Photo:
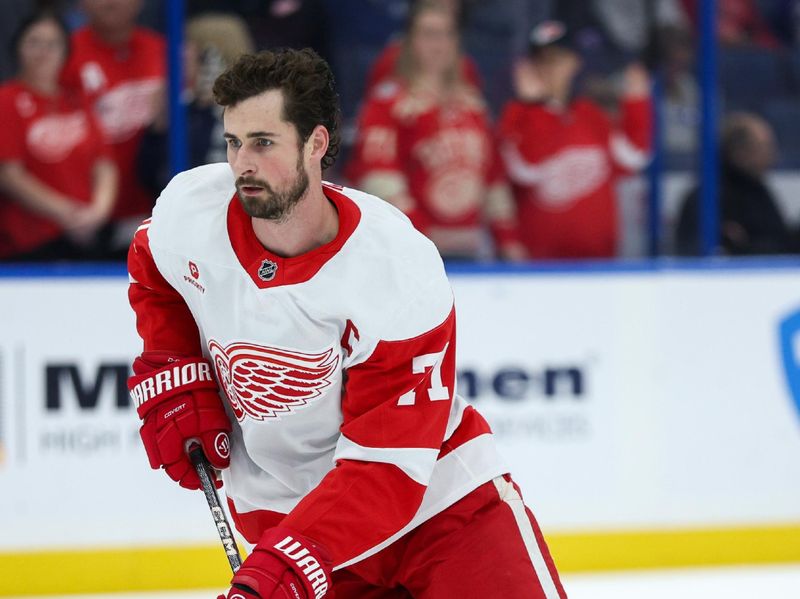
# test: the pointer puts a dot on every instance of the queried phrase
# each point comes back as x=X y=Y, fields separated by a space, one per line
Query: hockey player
x=304 y=335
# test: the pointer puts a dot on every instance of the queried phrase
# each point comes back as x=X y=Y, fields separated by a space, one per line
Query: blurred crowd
x=503 y=128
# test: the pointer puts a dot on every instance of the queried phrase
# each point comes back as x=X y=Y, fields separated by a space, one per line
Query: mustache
x=252 y=182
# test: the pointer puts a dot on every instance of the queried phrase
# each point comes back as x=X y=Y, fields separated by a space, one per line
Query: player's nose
x=243 y=164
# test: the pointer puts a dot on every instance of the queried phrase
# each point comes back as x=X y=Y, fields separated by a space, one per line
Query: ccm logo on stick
x=224 y=531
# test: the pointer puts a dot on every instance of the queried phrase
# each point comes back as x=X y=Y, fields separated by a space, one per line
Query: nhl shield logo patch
x=267 y=270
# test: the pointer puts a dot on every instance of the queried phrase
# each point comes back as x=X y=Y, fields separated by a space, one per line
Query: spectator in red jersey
x=57 y=181
x=564 y=154
x=122 y=68
x=425 y=144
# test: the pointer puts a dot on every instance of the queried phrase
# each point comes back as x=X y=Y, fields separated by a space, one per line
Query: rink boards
x=650 y=414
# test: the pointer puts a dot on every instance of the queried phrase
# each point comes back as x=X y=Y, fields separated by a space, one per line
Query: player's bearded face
x=273 y=204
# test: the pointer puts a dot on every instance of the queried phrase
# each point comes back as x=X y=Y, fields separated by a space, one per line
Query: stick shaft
x=223 y=528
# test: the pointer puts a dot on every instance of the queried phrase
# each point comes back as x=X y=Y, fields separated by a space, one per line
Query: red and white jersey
x=337 y=366
x=123 y=82
x=437 y=162
x=56 y=140
x=563 y=167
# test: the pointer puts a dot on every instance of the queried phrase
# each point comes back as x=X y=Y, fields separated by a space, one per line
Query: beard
x=277 y=205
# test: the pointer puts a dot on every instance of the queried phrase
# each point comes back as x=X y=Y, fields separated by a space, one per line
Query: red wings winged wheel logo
x=268 y=382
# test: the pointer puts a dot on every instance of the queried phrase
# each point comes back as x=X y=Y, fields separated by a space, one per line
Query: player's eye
x=233 y=143
x=263 y=142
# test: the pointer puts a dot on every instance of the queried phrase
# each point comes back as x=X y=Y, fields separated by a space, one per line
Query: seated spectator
x=213 y=42
x=424 y=143
x=750 y=220
x=121 y=67
x=564 y=154
x=57 y=180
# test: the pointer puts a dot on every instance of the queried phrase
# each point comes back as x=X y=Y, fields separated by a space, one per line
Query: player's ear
x=318 y=142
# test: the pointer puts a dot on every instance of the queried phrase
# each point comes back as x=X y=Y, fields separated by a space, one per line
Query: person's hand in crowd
x=61 y=210
x=85 y=221
x=79 y=221
x=529 y=85
x=635 y=81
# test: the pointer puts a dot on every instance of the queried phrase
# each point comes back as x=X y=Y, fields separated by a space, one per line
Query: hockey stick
x=223 y=528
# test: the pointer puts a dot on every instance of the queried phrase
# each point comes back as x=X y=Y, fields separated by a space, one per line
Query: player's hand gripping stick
x=178 y=400
x=283 y=564
x=203 y=469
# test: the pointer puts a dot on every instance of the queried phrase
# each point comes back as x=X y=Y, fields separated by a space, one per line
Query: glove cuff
x=307 y=560
x=180 y=376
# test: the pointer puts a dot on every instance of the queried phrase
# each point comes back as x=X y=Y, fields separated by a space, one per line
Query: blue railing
x=709 y=170
x=178 y=132
x=577 y=267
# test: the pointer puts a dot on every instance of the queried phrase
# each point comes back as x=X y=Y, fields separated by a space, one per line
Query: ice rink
x=773 y=582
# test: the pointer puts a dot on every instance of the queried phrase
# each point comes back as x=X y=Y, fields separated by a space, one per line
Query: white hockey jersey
x=337 y=367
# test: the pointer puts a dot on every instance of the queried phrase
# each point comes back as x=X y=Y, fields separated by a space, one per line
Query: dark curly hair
x=306 y=80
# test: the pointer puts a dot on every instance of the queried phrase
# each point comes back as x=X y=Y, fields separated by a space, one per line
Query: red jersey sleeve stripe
x=163 y=319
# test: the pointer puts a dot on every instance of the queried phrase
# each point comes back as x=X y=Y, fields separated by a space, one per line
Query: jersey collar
x=270 y=270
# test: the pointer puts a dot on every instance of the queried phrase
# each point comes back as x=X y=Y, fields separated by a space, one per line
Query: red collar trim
x=288 y=271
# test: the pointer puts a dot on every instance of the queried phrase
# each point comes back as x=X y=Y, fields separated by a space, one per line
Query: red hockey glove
x=177 y=399
x=283 y=565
